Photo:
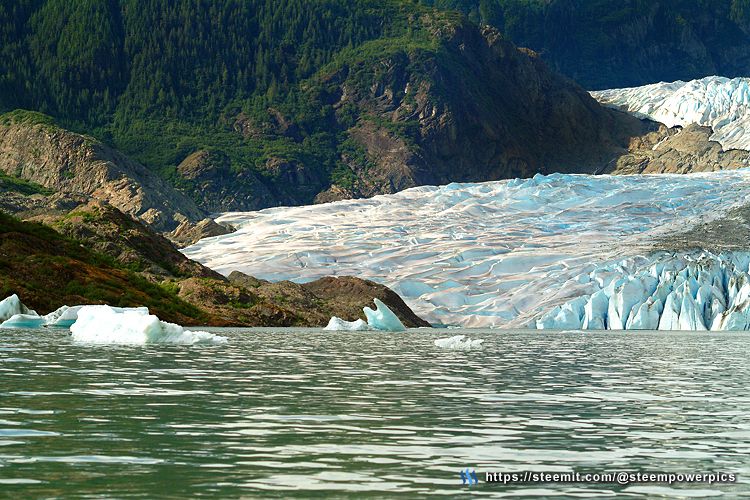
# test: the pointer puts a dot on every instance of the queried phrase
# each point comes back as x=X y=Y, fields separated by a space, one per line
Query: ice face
x=692 y=291
x=458 y=343
x=714 y=101
x=11 y=306
x=107 y=325
x=382 y=319
x=478 y=255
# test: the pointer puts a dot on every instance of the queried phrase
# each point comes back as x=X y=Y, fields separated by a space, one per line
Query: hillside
x=615 y=43
x=244 y=105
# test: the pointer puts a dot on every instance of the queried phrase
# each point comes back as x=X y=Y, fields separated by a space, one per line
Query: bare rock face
x=189 y=233
x=71 y=163
x=478 y=109
x=215 y=187
x=678 y=150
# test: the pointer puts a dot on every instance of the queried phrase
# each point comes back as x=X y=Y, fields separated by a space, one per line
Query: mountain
x=622 y=43
x=242 y=105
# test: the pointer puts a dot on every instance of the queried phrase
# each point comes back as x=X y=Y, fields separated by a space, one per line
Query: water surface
x=285 y=413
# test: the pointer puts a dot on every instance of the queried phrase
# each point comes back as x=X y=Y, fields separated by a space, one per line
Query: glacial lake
x=307 y=413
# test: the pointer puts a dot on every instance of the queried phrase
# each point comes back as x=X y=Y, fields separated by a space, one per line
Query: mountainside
x=245 y=105
x=621 y=43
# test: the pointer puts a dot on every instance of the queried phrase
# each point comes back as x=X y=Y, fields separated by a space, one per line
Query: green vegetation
x=9 y=183
x=47 y=269
x=160 y=79
x=617 y=43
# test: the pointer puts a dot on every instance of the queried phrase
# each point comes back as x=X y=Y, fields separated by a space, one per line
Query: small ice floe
x=107 y=325
x=338 y=324
x=458 y=343
x=23 y=321
x=381 y=319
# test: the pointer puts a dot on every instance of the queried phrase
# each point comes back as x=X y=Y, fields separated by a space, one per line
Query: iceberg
x=11 y=306
x=494 y=254
x=63 y=317
x=23 y=321
x=714 y=101
x=338 y=324
x=107 y=325
x=381 y=319
x=457 y=343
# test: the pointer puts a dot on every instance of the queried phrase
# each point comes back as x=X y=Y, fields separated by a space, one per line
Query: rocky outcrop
x=71 y=163
x=189 y=233
x=475 y=109
x=677 y=150
x=216 y=187
x=247 y=301
x=106 y=230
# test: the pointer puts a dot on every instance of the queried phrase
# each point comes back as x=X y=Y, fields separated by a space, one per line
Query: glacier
x=381 y=319
x=494 y=254
x=107 y=325
x=714 y=101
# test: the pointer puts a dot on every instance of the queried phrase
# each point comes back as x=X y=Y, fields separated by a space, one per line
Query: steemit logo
x=468 y=477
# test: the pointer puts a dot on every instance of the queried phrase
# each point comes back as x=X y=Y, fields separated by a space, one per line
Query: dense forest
x=243 y=80
x=160 y=79
x=619 y=43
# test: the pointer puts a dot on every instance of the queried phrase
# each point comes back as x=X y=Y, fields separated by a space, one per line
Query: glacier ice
x=106 y=325
x=381 y=319
x=718 y=102
x=11 y=306
x=494 y=254
x=457 y=343
x=664 y=291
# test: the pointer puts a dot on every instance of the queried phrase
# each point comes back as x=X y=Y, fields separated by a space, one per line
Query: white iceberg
x=338 y=324
x=714 y=101
x=63 y=317
x=459 y=343
x=107 y=325
x=11 y=306
x=494 y=254
x=381 y=319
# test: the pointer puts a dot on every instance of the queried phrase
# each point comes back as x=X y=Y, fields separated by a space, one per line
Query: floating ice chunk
x=23 y=321
x=11 y=306
x=338 y=324
x=458 y=343
x=383 y=318
x=106 y=325
x=63 y=317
